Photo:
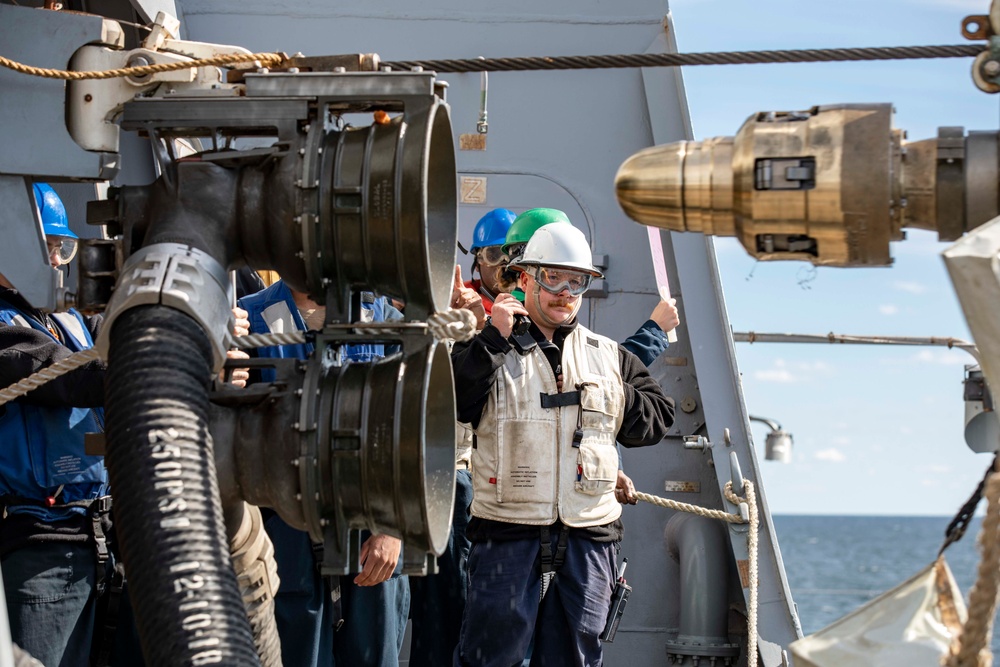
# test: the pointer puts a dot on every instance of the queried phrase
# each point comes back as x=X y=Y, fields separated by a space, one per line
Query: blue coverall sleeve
x=647 y=343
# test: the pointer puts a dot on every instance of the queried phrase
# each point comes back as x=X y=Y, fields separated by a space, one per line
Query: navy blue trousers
x=374 y=616
x=503 y=613
x=374 y=622
x=438 y=600
x=51 y=601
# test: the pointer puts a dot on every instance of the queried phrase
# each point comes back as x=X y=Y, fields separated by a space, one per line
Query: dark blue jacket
x=647 y=343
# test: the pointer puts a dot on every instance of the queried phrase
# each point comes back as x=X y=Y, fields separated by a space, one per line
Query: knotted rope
x=971 y=647
x=450 y=324
x=456 y=323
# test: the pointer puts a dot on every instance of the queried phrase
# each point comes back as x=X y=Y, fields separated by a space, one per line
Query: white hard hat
x=559 y=246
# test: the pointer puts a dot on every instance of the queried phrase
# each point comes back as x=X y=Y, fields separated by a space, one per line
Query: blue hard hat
x=492 y=228
x=53 y=212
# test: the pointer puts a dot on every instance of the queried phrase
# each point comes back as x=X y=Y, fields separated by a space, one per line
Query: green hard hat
x=530 y=222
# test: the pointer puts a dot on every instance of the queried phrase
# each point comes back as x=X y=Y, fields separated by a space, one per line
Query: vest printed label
x=527 y=462
x=523 y=477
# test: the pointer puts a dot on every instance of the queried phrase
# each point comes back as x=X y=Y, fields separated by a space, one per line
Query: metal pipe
x=698 y=546
x=482 y=127
x=773 y=425
x=845 y=339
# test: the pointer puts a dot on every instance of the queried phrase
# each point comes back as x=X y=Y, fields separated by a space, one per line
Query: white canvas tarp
x=911 y=625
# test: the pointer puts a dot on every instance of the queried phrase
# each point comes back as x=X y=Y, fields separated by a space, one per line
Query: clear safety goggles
x=556 y=280
x=63 y=245
x=516 y=250
x=491 y=255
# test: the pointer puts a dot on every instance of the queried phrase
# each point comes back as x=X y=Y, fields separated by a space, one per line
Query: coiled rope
x=751 y=501
x=689 y=59
x=971 y=647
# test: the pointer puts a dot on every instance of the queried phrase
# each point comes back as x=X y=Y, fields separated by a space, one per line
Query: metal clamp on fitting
x=179 y=277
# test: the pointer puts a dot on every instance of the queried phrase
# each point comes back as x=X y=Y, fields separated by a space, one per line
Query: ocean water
x=837 y=563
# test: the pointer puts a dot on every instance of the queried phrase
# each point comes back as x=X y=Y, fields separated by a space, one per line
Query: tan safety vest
x=525 y=468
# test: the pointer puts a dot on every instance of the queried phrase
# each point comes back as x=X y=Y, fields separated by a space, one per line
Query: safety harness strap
x=551 y=563
x=332 y=585
x=560 y=400
x=104 y=639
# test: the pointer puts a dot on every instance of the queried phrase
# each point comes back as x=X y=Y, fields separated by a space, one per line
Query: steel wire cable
x=530 y=63
x=689 y=59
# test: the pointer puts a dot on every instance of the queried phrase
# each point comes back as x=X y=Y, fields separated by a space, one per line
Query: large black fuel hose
x=166 y=497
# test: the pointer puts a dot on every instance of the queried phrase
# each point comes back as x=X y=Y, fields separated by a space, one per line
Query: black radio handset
x=521 y=322
x=520 y=332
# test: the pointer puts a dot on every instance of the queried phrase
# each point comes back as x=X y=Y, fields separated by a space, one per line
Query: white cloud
x=937 y=469
x=888 y=309
x=841 y=440
x=930 y=483
x=911 y=287
x=830 y=455
x=782 y=375
x=786 y=373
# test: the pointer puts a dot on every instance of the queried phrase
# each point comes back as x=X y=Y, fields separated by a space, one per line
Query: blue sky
x=878 y=430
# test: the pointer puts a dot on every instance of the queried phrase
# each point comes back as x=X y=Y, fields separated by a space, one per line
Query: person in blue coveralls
x=547 y=407
x=55 y=546
x=374 y=604
x=56 y=557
